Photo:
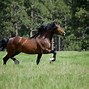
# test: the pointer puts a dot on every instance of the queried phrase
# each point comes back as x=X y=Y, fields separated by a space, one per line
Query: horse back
x=22 y=44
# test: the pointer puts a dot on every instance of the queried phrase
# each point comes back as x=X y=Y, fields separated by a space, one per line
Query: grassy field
x=70 y=71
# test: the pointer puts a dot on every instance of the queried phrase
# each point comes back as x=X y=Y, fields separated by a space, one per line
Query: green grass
x=70 y=71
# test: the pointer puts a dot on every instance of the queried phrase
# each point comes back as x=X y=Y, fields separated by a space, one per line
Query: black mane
x=44 y=27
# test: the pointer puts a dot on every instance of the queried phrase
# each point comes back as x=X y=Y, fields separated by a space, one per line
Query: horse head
x=55 y=28
x=52 y=27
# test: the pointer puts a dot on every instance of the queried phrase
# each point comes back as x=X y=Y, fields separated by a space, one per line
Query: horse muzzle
x=62 y=34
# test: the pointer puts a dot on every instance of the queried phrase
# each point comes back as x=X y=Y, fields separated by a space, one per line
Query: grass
x=70 y=71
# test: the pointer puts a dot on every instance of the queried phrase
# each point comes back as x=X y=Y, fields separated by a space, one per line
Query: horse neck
x=48 y=35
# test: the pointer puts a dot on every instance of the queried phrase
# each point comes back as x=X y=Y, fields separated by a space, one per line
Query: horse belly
x=30 y=48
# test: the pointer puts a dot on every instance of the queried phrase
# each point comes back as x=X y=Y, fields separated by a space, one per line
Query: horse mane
x=34 y=35
x=44 y=27
x=39 y=30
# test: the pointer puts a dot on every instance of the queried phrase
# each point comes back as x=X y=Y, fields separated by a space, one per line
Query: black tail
x=3 y=43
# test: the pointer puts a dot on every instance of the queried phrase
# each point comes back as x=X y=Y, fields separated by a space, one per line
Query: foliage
x=79 y=22
x=21 y=16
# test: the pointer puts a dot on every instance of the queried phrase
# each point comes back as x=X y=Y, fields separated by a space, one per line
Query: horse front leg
x=38 y=58
x=15 y=60
x=54 y=56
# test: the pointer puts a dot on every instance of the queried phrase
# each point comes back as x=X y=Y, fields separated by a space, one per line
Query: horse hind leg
x=14 y=59
x=5 y=59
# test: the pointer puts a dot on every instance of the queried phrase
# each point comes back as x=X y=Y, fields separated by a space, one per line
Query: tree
x=79 y=19
x=21 y=16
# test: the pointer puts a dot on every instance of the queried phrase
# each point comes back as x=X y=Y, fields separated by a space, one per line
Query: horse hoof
x=16 y=62
x=52 y=59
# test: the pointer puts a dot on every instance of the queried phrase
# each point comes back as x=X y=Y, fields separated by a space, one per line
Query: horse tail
x=3 y=43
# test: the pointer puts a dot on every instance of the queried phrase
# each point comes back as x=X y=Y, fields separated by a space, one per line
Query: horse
x=40 y=43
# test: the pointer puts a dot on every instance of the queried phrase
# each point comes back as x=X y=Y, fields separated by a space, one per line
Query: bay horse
x=40 y=43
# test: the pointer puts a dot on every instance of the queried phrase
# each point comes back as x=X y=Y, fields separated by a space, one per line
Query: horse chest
x=46 y=43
